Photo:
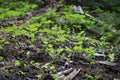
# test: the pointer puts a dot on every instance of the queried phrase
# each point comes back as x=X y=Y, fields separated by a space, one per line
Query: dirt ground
x=89 y=69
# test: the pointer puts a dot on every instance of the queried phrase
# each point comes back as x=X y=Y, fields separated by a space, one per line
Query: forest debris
x=106 y=63
x=28 y=15
x=62 y=73
x=99 y=55
x=72 y=74
x=116 y=79
x=88 y=15
x=80 y=10
x=65 y=72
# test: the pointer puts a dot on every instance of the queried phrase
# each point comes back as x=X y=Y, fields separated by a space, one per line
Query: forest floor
x=40 y=66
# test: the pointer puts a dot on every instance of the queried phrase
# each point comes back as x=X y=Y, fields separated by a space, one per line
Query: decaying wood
x=65 y=72
x=80 y=10
x=72 y=74
x=106 y=63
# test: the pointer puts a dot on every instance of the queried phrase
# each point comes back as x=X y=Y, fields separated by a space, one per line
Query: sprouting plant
x=40 y=76
x=33 y=27
x=21 y=73
x=68 y=49
x=51 y=52
x=61 y=39
x=1 y=58
x=19 y=32
x=52 y=67
x=3 y=42
x=78 y=48
x=89 y=76
x=55 y=76
x=112 y=57
x=59 y=50
x=9 y=29
x=7 y=71
x=17 y=63
x=89 y=52
x=1 y=47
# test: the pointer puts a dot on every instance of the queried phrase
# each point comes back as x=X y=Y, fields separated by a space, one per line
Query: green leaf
x=1 y=58
x=111 y=56
x=68 y=49
x=78 y=48
x=17 y=63
x=1 y=47
x=52 y=67
x=50 y=45
x=55 y=76
x=40 y=76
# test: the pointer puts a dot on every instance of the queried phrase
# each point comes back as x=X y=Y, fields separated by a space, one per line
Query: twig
x=72 y=74
x=65 y=72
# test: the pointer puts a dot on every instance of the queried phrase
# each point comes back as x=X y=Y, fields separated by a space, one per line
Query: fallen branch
x=72 y=74
x=65 y=72
x=106 y=63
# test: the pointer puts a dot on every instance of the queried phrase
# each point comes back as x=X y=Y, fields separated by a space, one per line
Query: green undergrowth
x=61 y=34
x=12 y=9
